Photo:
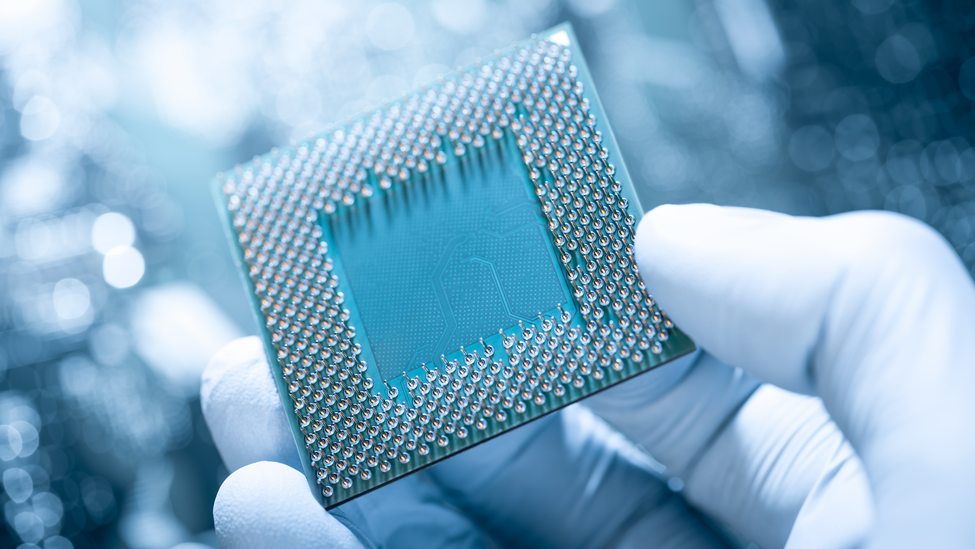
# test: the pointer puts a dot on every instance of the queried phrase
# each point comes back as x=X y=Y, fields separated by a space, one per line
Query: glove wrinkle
x=842 y=500
x=340 y=516
x=411 y=512
x=648 y=521
x=677 y=426
x=687 y=470
x=579 y=485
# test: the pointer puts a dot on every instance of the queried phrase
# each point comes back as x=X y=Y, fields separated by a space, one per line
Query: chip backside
x=445 y=267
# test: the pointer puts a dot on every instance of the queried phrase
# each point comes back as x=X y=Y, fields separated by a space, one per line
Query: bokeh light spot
x=29 y=437
x=123 y=267
x=110 y=231
x=10 y=443
x=898 y=60
x=18 y=484
x=39 y=119
x=48 y=508
x=71 y=298
x=857 y=137
x=811 y=148
x=29 y=527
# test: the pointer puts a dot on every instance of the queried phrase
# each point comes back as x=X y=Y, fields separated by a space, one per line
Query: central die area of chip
x=448 y=261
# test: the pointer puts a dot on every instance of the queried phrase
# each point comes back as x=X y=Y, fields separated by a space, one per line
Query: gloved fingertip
x=242 y=407
x=230 y=356
x=658 y=227
x=672 y=229
x=269 y=505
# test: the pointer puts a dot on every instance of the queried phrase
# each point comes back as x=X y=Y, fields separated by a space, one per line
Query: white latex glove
x=870 y=312
x=565 y=481
x=770 y=293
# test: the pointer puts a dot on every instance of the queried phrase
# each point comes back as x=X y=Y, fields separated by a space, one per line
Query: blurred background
x=116 y=284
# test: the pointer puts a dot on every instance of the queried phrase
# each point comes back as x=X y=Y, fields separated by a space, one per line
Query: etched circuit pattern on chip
x=507 y=156
x=448 y=260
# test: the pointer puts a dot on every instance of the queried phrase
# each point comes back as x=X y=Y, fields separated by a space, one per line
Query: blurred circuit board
x=447 y=267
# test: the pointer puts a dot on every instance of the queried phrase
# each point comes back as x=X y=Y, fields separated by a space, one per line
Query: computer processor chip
x=445 y=267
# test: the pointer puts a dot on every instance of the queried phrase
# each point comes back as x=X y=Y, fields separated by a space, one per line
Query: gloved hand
x=566 y=480
x=870 y=311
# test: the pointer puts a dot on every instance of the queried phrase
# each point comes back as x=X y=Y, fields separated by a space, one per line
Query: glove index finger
x=741 y=284
x=242 y=407
x=871 y=311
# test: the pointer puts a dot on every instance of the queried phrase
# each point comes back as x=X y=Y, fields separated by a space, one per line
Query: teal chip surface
x=449 y=260
x=446 y=267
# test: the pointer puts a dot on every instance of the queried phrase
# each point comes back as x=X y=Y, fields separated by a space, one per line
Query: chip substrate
x=445 y=267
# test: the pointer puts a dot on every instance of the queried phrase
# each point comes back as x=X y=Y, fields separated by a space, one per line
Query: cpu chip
x=446 y=267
